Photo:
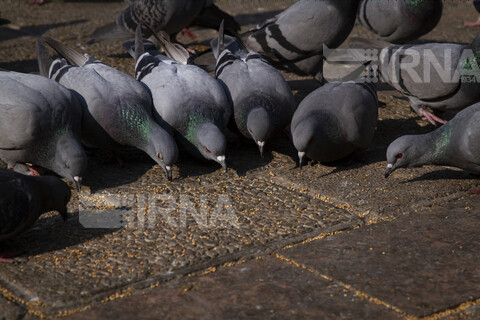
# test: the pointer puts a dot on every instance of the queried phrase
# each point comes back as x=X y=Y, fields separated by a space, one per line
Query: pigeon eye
x=208 y=150
x=250 y=130
x=67 y=165
x=159 y=156
x=399 y=156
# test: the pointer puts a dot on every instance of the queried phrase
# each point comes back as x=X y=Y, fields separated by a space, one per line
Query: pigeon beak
x=389 y=170
x=261 y=144
x=169 y=173
x=78 y=183
x=221 y=160
x=301 y=155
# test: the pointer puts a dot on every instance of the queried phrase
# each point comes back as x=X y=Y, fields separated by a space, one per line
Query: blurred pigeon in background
x=24 y=199
x=295 y=37
x=186 y=98
x=442 y=76
x=168 y=16
x=40 y=124
x=263 y=102
x=400 y=21
x=335 y=121
x=453 y=144
x=118 y=108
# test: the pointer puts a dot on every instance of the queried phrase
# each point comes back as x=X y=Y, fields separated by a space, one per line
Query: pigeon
x=40 y=124
x=25 y=198
x=441 y=76
x=476 y=4
x=400 y=21
x=169 y=16
x=453 y=144
x=117 y=109
x=187 y=100
x=262 y=100
x=335 y=121
x=294 y=38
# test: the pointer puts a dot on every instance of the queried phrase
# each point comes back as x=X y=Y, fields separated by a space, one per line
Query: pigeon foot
x=433 y=119
x=472 y=23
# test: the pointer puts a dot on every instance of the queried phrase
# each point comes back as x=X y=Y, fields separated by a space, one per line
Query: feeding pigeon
x=441 y=76
x=453 y=144
x=335 y=121
x=40 y=124
x=170 y=16
x=186 y=98
x=476 y=4
x=25 y=198
x=295 y=37
x=118 y=108
x=400 y=21
x=263 y=102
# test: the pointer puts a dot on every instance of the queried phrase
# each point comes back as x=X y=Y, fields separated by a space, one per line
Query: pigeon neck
x=440 y=143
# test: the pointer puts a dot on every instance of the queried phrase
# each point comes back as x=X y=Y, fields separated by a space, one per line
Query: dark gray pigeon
x=441 y=76
x=40 y=124
x=335 y=121
x=295 y=37
x=25 y=198
x=400 y=21
x=170 y=16
x=263 y=102
x=454 y=144
x=118 y=108
x=186 y=98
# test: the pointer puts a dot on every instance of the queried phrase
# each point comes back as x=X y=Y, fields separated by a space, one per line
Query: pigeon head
x=57 y=194
x=211 y=143
x=259 y=126
x=304 y=136
x=401 y=153
x=163 y=149
x=70 y=159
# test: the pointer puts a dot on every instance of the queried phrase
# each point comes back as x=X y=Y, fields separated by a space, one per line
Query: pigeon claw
x=433 y=119
x=472 y=23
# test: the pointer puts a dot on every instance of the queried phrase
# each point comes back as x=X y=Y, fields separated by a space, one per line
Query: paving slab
x=10 y=311
x=173 y=227
x=419 y=263
x=147 y=231
x=260 y=289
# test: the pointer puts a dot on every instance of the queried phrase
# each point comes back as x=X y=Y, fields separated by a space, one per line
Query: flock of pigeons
x=77 y=100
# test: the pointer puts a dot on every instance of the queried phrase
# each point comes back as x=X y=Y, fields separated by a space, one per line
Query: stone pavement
x=263 y=240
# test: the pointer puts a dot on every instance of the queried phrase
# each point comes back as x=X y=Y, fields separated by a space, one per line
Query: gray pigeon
x=263 y=102
x=186 y=98
x=453 y=144
x=441 y=76
x=40 y=123
x=118 y=108
x=400 y=21
x=25 y=198
x=295 y=37
x=335 y=121
x=170 y=16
